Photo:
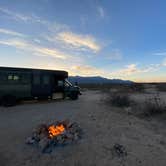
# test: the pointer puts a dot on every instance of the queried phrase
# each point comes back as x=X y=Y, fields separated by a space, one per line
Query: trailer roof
x=56 y=72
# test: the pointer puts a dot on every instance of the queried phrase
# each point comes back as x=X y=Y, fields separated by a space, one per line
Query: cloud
x=79 y=41
x=37 y=40
x=55 y=33
x=15 y=43
x=101 y=11
x=128 y=70
x=50 y=52
x=14 y=15
x=51 y=26
x=35 y=49
x=85 y=70
x=160 y=53
x=10 y=32
x=133 y=69
x=164 y=62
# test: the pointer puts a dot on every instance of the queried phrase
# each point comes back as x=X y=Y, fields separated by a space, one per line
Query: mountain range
x=96 y=80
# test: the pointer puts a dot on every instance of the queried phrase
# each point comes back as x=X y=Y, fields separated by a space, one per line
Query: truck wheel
x=74 y=96
x=8 y=101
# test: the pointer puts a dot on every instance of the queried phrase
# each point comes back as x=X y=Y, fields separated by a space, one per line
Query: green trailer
x=26 y=83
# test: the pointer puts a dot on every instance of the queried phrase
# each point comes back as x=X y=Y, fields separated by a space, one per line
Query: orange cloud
x=79 y=41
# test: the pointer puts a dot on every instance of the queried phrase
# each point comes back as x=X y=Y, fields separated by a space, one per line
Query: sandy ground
x=103 y=126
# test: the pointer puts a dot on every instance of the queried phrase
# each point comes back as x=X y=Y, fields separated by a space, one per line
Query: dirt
x=103 y=128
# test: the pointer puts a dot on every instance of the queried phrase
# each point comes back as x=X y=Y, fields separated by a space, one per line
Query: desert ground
x=103 y=125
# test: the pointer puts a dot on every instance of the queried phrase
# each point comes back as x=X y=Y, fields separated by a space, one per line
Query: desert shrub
x=137 y=87
x=154 y=106
x=120 y=100
x=161 y=87
x=105 y=87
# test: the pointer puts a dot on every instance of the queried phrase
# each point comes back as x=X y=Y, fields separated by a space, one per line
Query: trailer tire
x=8 y=101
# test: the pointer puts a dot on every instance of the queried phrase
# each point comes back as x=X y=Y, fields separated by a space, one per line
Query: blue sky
x=110 y=38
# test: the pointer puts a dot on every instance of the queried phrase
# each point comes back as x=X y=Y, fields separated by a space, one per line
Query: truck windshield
x=67 y=83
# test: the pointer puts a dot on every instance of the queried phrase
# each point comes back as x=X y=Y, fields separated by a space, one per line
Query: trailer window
x=60 y=83
x=10 y=77
x=15 y=77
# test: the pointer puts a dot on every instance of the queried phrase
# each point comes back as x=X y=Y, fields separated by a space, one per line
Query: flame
x=55 y=130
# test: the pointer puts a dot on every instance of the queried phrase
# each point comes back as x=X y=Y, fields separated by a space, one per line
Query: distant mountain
x=97 y=80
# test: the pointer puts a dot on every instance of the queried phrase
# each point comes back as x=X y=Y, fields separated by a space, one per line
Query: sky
x=108 y=38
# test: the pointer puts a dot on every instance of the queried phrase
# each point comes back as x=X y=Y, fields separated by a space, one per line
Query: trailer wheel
x=8 y=101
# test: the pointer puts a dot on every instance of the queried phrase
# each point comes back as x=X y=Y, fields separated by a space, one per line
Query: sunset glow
x=112 y=39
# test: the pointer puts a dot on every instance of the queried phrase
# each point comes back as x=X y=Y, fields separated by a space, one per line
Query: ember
x=58 y=133
x=55 y=130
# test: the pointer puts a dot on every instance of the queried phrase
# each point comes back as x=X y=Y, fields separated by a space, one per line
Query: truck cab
x=65 y=89
x=71 y=91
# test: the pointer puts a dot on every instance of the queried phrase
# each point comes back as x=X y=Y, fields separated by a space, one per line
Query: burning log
x=58 y=133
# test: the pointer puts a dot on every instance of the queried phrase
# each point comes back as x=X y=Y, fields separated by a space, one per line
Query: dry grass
x=154 y=106
x=161 y=87
x=137 y=87
x=119 y=100
x=106 y=87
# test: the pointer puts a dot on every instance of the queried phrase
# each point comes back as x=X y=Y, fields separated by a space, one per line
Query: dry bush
x=137 y=87
x=106 y=87
x=154 y=106
x=119 y=100
x=161 y=87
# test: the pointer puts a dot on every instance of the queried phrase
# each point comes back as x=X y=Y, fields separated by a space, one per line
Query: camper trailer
x=25 y=83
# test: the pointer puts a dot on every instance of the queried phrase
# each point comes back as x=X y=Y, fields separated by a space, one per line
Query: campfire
x=58 y=133
x=55 y=130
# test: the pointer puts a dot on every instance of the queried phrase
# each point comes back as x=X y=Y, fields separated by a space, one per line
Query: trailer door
x=41 y=84
x=46 y=84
